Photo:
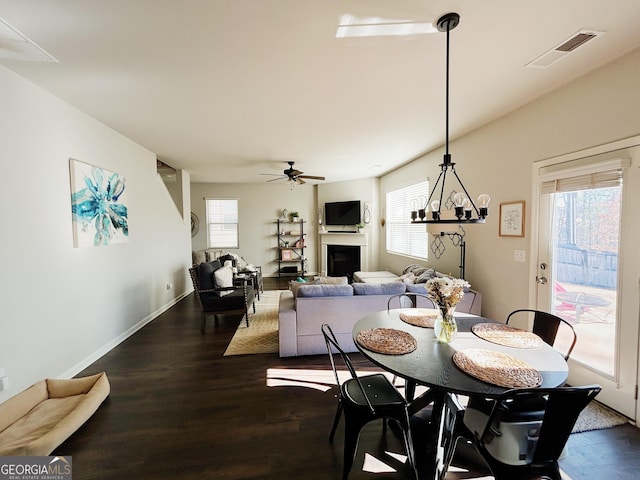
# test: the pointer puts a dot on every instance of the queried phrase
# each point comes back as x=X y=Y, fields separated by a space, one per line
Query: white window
x=403 y=237
x=222 y=222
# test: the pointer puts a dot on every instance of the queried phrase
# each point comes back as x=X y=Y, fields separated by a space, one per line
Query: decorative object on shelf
x=366 y=214
x=195 y=224
x=285 y=214
x=286 y=255
x=293 y=216
x=446 y=293
x=464 y=206
x=512 y=219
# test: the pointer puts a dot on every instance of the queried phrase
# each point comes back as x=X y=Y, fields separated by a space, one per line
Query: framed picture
x=98 y=205
x=286 y=254
x=512 y=219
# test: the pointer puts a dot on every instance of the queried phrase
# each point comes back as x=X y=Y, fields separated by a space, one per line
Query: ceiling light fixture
x=351 y=26
x=462 y=204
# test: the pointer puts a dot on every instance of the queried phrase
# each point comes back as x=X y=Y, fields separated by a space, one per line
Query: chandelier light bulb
x=466 y=206
x=483 y=204
x=458 y=200
x=435 y=209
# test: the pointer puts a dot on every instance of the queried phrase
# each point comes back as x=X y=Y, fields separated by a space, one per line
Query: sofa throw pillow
x=224 y=279
x=206 y=279
x=407 y=278
x=390 y=288
x=295 y=285
x=227 y=257
x=428 y=274
x=307 y=290
x=332 y=280
x=198 y=257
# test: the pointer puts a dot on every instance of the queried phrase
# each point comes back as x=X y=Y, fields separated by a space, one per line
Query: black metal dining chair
x=364 y=399
x=524 y=432
x=546 y=326
x=409 y=300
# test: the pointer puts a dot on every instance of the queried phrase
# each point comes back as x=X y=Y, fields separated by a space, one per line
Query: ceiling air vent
x=562 y=50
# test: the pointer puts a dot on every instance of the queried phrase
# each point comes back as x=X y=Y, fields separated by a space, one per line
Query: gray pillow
x=390 y=288
x=325 y=291
x=428 y=274
x=332 y=280
x=198 y=257
x=295 y=285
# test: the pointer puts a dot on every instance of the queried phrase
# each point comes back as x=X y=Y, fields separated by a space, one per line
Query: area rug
x=261 y=336
x=597 y=417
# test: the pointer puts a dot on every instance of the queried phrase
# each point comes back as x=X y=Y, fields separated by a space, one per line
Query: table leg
x=430 y=455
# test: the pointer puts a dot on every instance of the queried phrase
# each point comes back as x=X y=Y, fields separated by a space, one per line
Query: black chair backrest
x=410 y=300
x=333 y=345
x=546 y=325
x=561 y=410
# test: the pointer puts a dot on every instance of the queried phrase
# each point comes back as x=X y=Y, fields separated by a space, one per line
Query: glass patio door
x=588 y=268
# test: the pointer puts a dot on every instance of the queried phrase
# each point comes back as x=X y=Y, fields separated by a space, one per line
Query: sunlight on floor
x=375 y=465
x=322 y=380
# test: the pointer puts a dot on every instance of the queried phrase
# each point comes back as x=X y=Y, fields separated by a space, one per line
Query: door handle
x=541 y=280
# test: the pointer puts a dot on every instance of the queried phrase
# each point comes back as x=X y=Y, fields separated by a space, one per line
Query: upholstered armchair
x=218 y=294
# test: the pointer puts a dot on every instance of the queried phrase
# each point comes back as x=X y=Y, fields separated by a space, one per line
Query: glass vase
x=445 y=328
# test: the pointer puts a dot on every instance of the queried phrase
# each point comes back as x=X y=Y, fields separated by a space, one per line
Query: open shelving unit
x=291 y=245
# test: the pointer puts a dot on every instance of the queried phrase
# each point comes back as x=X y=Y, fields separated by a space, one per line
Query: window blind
x=403 y=237
x=222 y=223
x=589 y=181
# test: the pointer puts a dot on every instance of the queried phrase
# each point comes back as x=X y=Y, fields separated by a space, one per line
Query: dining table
x=412 y=352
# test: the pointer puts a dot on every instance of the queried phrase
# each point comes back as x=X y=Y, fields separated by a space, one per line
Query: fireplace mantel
x=333 y=238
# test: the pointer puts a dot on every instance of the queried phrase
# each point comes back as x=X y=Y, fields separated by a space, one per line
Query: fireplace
x=328 y=239
x=343 y=260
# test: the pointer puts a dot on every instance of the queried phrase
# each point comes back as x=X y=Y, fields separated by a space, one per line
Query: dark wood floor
x=178 y=409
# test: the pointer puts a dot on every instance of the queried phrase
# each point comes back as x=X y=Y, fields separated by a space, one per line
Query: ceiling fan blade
x=276 y=179
x=273 y=174
x=293 y=172
x=300 y=181
x=311 y=177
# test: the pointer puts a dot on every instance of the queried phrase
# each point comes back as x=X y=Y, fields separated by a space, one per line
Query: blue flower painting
x=97 y=206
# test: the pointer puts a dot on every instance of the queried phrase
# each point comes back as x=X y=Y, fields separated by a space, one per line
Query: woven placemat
x=420 y=317
x=387 y=340
x=497 y=368
x=505 y=335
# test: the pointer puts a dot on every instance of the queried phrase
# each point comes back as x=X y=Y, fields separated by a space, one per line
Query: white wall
x=62 y=307
x=259 y=205
x=598 y=108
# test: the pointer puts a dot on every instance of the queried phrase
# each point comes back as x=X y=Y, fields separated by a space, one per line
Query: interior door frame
x=577 y=371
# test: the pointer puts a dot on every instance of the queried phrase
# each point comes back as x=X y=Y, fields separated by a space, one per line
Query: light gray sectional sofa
x=341 y=306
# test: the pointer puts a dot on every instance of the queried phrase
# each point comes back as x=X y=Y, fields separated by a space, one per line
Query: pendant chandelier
x=463 y=205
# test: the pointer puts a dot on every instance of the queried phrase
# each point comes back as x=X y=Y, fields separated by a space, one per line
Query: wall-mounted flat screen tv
x=342 y=213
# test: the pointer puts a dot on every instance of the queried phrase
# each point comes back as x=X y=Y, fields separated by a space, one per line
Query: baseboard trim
x=84 y=363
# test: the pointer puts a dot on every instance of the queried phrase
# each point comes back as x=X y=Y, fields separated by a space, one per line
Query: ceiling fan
x=293 y=175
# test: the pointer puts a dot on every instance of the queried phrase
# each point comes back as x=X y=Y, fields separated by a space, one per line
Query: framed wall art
x=98 y=205
x=512 y=219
